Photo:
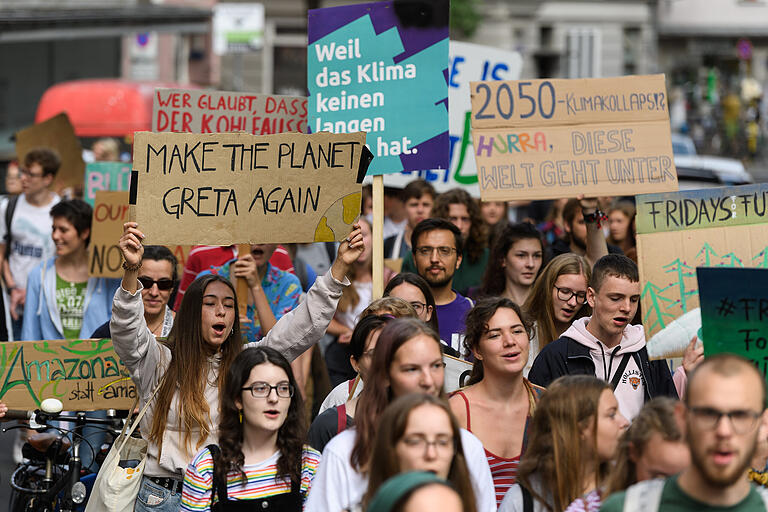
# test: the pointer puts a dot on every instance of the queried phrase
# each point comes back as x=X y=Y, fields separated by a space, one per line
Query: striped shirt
x=261 y=480
x=504 y=473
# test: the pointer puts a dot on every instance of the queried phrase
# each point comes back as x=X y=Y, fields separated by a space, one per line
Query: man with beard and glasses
x=436 y=245
x=723 y=414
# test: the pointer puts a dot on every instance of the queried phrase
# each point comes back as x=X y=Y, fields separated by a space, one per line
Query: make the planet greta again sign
x=226 y=188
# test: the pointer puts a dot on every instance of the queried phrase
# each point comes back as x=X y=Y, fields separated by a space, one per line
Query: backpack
x=646 y=496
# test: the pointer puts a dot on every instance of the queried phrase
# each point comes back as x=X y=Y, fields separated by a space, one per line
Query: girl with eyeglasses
x=407 y=359
x=418 y=432
x=181 y=375
x=498 y=403
x=558 y=297
x=414 y=289
x=261 y=461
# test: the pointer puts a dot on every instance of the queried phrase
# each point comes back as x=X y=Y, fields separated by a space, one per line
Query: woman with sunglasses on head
x=408 y=359
x=261 y=461
x=418 y=432
x=498 y=403
x=181 y=376
x=558 y=297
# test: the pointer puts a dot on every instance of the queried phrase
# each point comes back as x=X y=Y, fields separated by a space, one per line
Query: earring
x=232 y=332
x=240 y=412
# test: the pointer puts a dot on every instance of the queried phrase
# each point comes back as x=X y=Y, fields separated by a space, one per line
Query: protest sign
x=86 y=375
x=372 y=71
x=457 y=372
x=469 y=62
x=110 y=212
x=106 y=176
x=546 y=139
x=219 y=189
x=202 y=111
x=58 y=134
x=734 y=312
x=678 y=232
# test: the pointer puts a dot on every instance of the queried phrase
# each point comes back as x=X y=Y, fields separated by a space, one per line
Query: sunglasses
x=162 y=284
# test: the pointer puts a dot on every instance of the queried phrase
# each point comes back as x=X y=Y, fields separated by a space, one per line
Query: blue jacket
x=42 y=320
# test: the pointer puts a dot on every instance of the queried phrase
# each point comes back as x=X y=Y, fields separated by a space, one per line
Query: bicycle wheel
x=27 y=488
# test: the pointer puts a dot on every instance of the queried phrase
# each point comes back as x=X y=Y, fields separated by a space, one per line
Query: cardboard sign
x=678 y=232
x=201 y=111
x=110 y=212
x=56 y=133
x=457 y=372
x=367 y=71
x=548 y=139
x=86 y=375
x=469 y=63
x=106 y=176
x=237 y=188
x=734 y=312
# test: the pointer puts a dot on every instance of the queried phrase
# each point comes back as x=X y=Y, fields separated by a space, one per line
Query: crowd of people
x=321 y=397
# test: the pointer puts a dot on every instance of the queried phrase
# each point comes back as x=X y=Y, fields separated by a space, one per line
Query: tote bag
x=116 y=488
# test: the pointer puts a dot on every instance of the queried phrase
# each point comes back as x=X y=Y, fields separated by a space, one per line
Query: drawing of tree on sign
x=764 y=261
x=730 y=260
x=680 y=270
x=708 y=253
x=655 y=297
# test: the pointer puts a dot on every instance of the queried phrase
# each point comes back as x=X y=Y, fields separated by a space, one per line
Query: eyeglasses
x=443 y=251
x=262 y=389
x=418 y=306
x=162 y=284
x=441 y=444
x=742 y=421
x=29 y=174
x=565 y=295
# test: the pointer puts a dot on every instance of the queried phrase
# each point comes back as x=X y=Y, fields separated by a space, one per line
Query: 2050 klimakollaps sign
x=225 y=188
x=546 y=139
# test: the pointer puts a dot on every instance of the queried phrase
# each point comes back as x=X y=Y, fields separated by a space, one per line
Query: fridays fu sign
x=219 y=189
x=545 y=139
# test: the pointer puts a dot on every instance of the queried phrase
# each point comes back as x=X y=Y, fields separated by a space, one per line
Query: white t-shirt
x=364 y=291
x=339 y=395
x=31 y=240
x=338 y=486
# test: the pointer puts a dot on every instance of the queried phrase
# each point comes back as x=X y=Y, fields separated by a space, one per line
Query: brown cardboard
x=56 y=133
x=85 y=375
x=205 y=111
x=547 y=139
x=284 y=188
x=110 y=212
x=679 y=232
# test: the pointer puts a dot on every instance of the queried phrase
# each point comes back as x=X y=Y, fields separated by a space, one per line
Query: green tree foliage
x=465 y=17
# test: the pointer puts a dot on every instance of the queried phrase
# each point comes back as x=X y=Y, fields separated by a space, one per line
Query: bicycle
x=50 y=478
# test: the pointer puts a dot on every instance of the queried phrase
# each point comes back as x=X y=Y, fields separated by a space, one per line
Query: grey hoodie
x=630 y=391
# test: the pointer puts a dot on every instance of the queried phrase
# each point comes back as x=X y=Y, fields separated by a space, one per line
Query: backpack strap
x=619 y=371
x=527 y=499
x=9 y=211
x=219 y=487
x=341 y=420
x=644 y=496
x=763 y=493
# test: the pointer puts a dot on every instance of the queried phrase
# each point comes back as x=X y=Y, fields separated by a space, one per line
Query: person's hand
x=692 y=355
x=350 y=250
x=588 y=204
x=130 y=243
x=3 y=409
x=345 y=338
x=18 y=297
x=245 y=267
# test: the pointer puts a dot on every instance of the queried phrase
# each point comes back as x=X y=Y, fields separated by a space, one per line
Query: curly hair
x=478 y=237
x=290 y=435
x=494 y=280
x=477 y=324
